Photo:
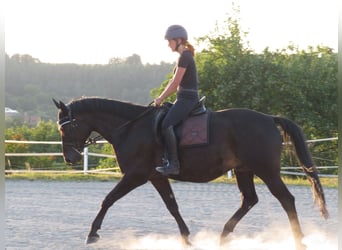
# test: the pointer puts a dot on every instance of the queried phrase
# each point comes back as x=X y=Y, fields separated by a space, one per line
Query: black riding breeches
x=178 y=112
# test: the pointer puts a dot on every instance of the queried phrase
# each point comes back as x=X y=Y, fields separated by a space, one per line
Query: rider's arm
x=172 y=86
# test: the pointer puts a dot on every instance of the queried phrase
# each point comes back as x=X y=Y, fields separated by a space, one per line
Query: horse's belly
x=203 y=165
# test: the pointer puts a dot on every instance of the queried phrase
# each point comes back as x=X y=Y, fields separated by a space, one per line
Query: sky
x=93 y=31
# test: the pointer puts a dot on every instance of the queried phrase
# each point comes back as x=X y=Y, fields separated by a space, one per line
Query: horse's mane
x=96 y=104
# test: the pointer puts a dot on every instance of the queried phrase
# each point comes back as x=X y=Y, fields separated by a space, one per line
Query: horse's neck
x=112 y=124
x=106 y=125
x=120 y=109
x=104 y=115
x=127 y=111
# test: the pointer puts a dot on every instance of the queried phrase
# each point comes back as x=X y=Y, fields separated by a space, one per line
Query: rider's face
x=172 y=44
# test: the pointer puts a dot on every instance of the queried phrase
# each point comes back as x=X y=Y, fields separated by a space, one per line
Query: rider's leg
x=180 y=110
x=172 y=165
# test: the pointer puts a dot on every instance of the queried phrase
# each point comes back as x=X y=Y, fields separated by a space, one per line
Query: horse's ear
x=56 y=103
x=60 y=105
x=63 y=107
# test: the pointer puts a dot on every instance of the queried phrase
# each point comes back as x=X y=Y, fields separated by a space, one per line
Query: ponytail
x=190 y=47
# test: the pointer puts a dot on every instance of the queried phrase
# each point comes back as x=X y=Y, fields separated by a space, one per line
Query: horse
x=245 y=141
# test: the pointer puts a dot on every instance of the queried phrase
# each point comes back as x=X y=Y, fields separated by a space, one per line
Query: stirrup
x=167 y=168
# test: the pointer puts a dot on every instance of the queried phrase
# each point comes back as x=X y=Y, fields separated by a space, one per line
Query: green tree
x=224 y=66
x=107 y=162
x=44 y=131
x=15 y=162
x=31 y=84
x=298 y=84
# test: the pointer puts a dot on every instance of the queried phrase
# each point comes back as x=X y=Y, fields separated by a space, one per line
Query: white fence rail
x=86 y=154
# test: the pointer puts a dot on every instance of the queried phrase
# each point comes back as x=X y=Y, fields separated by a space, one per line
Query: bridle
x=69 y=120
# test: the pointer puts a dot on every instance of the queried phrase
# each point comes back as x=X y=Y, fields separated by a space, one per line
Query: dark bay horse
x=244 y=140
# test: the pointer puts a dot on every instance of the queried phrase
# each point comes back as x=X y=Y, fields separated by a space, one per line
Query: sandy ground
x=57 y=215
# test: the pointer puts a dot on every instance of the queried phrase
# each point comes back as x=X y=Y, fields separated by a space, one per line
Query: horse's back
x=255 y=136
x=249 y=128
x=242 y=116
x=237 y=138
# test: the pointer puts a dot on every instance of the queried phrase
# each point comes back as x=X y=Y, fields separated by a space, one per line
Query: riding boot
x=172 y=165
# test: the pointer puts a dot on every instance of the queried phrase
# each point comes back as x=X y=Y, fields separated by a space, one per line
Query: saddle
x=193 y=131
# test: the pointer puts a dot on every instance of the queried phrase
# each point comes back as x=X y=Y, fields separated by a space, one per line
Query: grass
x=62 y=176
x=301 y=181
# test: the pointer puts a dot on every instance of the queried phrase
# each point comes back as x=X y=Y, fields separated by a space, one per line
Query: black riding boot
x=172 y=165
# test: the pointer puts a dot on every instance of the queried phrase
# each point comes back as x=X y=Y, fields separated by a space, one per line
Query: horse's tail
x=304 y=156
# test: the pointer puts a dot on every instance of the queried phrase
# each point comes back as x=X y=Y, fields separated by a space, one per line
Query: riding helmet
x=176 y=31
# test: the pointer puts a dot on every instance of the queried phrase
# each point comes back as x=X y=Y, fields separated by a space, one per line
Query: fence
x=86 y=154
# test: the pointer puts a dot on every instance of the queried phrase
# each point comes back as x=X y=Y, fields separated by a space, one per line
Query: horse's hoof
x=223 y=240
x=185 y=241
x=301 y=246
x=92 y=239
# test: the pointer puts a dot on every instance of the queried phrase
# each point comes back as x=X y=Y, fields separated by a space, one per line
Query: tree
x=44 y=131
x=31 y=84
x=298 y=84
x=225 y=65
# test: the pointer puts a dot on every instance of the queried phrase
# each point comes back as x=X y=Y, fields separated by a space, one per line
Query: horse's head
x=73 y=133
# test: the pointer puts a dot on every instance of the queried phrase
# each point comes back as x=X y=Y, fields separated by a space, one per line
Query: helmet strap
x=178 y=44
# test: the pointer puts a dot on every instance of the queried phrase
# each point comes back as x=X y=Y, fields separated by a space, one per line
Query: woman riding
x=185 y=83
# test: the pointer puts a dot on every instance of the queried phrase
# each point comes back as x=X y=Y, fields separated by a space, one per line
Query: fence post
x=85 y=160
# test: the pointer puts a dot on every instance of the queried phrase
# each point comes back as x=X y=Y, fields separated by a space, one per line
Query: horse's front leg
x=162 y=185
x=127 y=184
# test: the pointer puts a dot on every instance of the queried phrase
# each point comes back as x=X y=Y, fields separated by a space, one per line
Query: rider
x=185 y=83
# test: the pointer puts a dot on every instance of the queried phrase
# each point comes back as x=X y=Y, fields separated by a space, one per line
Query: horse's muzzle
x=71 y=155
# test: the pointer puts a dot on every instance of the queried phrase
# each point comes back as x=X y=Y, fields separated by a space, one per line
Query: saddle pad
x=194 y=131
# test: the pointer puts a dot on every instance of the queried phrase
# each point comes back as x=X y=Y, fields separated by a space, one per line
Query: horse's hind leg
x=287 y=200
x=162 y=185
x=249 y=199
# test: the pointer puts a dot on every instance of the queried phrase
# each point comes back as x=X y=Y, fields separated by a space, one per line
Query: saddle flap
x=194 y=131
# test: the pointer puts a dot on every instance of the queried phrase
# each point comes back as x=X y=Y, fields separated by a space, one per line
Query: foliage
x=107 y=162
x=44 y=131
x=31 y=84
x=298 y=84
x=157 y=91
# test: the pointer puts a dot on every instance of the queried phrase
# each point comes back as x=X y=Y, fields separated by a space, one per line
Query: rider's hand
x=157 y=102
